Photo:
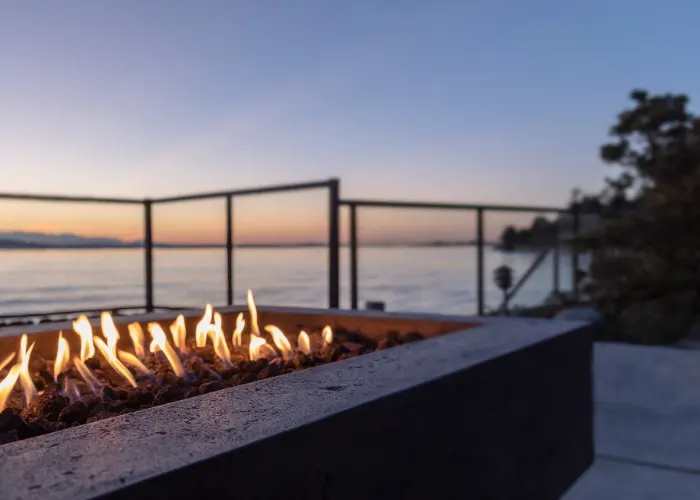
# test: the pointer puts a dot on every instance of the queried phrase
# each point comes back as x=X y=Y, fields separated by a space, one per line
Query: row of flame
x=209 y=327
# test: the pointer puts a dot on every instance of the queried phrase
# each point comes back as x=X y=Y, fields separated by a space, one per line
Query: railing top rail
x=74 y=199
x=249 y=191
x=69 y=312
x=450 y=206
x=282 y=188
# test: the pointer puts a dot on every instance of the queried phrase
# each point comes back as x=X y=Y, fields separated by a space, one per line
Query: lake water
x=433 y=279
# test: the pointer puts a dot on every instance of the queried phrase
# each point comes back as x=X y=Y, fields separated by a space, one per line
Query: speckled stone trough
x=493 y=408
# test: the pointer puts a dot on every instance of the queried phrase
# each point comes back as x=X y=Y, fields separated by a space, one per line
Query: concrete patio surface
x=647 y=425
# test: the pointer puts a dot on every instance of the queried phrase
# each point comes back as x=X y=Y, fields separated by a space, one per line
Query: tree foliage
x=544 y=232
x=648 y=248
x=541 y=232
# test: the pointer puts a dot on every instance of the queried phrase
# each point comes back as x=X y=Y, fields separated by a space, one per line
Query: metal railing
x=334 y=207
x=79 y=199
x=355 y=204
x=332 y=185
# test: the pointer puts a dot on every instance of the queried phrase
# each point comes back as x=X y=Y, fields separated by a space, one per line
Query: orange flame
x=82 y=327
x=7 y=384
x=220 y=346
x=179 y=332
x=281 y=342
x=133 y=362
x=327 y=335
x=62 y=357
x=109 y=350
x=259 y=348
x=123 y=361
x=25 y=378
x=160 y=341
x=138 y=339
x=253 y=314
x=202 y=330
x=7 y=360
x=109 y=329
x=237 y=339
x=303 y=342
x=87 y=375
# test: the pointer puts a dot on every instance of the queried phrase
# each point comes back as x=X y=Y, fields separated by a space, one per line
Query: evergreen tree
x=647 y=251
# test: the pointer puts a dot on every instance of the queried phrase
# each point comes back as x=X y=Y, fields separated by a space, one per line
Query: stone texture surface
x=647 y=424
x=499 y=411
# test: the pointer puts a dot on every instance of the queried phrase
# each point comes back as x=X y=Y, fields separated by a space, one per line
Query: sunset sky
x=499 y=102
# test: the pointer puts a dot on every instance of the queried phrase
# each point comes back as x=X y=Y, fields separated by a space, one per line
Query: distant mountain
x=21 y=239
x=9 y=243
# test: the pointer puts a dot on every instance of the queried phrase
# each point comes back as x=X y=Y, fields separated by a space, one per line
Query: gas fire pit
x=39 y=396
x=295 y=403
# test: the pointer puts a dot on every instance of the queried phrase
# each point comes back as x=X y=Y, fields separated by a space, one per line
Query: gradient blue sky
x=490 y=101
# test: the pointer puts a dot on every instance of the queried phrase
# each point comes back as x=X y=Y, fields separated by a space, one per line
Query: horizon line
x=32 y=246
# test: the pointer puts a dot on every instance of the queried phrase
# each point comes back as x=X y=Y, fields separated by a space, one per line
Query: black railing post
x=353 y=257
x=480 y=260
x=229 y=250
x=333 y=244
x=556 y=261
x=148 y=253
x=576 y=225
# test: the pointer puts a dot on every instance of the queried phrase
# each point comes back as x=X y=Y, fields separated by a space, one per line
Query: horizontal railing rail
x=70 y=312
x=69 y=199
x=451 y=206
x=248 y=191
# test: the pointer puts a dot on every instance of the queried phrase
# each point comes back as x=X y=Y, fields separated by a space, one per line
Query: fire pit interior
x=52 y=381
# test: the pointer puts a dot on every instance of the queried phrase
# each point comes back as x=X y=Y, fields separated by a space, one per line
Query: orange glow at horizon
x=90 y=220
x=265 y=220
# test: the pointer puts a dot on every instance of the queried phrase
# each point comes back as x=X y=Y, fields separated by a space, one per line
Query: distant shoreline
x=161 y=246
x=529 y=248
x=22 y=240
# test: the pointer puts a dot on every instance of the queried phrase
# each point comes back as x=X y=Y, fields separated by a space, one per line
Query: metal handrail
x=71 y=199
x=354 y=204
x=248 y=191
x=70 y=312
x=333 y=186
x=451 y=206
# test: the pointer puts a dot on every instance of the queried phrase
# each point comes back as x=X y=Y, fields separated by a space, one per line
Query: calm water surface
x=435 y=279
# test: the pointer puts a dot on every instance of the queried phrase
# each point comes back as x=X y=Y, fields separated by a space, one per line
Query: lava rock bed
x=52 y=411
